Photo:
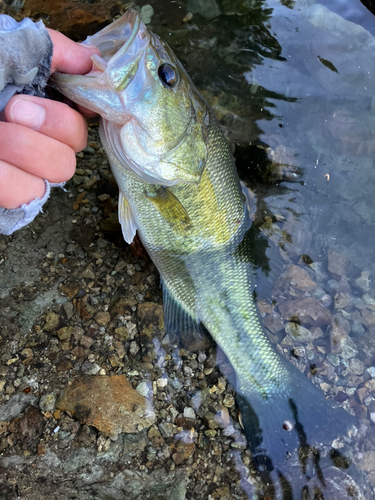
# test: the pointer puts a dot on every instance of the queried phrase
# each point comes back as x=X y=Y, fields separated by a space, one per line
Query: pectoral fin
x=126 y=218
x=170 y=208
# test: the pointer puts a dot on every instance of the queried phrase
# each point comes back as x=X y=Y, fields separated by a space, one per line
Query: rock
x=16 y=405
x=342 y=344
x=298 y=332
x=356 y=366
x=299 y=278
x=47 y=402
x=102 y=318
x=166 y=429
x=77 y=20
x=337 y=263
x=65 y=333
x=183 y=451
x=206 y=8
x=88 y=273
x=31 y=427
x=108 y=403
x=306 y=311
x=143 y=389
x=134 y=348
x=338 y=485
x=52 y=321
x=189 y=413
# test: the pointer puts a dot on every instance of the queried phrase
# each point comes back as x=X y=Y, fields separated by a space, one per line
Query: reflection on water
x=293 y=84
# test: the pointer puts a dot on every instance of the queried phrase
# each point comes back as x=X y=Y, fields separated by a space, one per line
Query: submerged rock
x=309 y=310
x=108 y=403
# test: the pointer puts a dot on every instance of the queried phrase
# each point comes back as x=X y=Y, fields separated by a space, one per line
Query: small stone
x=166 y=429
x=47 y=402
x=299 y=278
x=52 y=321
x=143 y=389
x=356 y=366
x=363 y=281
x=162 y=382
x=189 y=413
x=134 y=348
x=102 y=318
x=147 y=12
x=228 y=401
x=325 y=387
x=86 y=342
x=371 y=371
x=210 y=433
x=299 y=351
x=88 y=273
x=298 y=332
x=154 y=432
x=64 y=366
x=64 y=333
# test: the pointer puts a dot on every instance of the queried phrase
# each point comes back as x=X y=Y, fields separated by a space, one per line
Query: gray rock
x=16 y=405
x=47 y=402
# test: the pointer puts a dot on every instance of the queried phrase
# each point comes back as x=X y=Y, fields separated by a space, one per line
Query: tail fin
x=281 y=427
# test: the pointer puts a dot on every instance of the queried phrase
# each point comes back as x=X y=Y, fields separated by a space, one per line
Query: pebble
x=102 y=318
x=189 y=413
x=143 y=389
x=47 y=403
x=134 y=348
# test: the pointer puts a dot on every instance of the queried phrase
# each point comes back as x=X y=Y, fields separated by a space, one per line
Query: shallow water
x=293 y=84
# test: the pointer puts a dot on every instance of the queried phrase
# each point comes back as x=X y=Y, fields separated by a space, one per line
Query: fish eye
x=168 y=75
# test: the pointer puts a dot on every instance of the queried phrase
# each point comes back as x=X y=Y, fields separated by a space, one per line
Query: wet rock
x=166 y=429
x=356 y=366
x=150 y=318
x=299 y=278
x=108 y=403
x=341 y=343
x=298 y=332
x=189 y=413
x=206 y=8
x=337 y=263
x=306 y=311
x=338 y=485
x=144 y=389
x=16 y=405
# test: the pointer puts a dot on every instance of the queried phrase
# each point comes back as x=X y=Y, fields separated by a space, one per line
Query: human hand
x=40 y=137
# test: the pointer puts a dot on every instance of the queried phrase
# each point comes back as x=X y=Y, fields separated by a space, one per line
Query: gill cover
x=152 y=123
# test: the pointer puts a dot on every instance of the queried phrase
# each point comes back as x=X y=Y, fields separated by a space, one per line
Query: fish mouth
x=119 y=43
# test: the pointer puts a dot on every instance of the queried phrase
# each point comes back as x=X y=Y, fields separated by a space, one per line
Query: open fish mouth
x=120 y=43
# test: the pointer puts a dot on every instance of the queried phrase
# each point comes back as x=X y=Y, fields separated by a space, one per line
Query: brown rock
x=122 y=307
x=102 y=318
x=299 y=278
x=30 y=427
x=52 y=321
x=77 y=20
x=64 y=366
x=70 y=290
x=183 y=451
x=309 y=310
x=108 y=403
x=65 y=333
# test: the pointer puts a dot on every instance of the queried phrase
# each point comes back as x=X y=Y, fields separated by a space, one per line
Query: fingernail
x=27 y=113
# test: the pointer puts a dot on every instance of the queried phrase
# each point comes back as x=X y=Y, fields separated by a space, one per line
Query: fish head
x=154 y=120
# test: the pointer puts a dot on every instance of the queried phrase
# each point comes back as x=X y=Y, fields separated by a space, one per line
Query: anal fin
x=179 y=322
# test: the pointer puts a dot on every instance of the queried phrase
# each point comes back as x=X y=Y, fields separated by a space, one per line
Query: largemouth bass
x=180 y=190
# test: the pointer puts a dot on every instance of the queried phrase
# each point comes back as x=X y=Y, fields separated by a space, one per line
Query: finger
x=18 y=187
x=36 y=153
x=70 y=57
x=51 y=118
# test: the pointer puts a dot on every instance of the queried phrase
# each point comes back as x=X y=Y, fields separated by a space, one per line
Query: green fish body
x=180 y=190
